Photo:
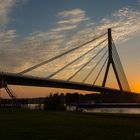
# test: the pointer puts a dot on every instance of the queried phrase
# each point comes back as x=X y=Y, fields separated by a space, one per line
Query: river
x=113 y=110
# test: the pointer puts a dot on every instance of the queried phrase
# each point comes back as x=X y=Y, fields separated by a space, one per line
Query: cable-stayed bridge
x=107 y=55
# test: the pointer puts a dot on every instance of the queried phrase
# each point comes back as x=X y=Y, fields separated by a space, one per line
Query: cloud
x=70 y=19
x=6 y=37
x=5 y=7
x=39 y=46
x=124 y=22
x=71 y=13
x=120 y=21
x=64 y=28
x=72 y=16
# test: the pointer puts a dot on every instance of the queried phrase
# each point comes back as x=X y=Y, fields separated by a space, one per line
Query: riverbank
x=40 y=125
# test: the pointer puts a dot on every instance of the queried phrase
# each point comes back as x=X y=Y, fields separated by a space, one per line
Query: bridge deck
x=25 y=80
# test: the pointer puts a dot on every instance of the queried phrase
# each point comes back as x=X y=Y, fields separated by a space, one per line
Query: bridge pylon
x=111 y=62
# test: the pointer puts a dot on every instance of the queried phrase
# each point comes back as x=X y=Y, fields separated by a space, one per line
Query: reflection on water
x=92 y=110
x=35 y=106
x=113 y=110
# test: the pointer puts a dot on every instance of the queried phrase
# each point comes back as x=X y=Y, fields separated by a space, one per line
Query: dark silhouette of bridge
x=107 y=55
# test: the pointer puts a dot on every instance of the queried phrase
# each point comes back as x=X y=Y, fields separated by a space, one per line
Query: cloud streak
x=70 y=19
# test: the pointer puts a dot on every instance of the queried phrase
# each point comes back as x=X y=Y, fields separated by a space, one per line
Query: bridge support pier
x=3 y=84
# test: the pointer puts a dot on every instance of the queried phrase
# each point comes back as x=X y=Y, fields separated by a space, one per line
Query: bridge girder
x=15 y=79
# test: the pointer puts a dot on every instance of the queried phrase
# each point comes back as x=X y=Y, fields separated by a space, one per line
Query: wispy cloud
x=73 y=16
x=70 y=19
x=6 y=37
x=64 y=28
x=125 y=23
x=39 y=46
x=138 y=1
x=5 y=7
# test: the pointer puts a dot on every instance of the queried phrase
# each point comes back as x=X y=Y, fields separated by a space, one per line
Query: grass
x=42 y=125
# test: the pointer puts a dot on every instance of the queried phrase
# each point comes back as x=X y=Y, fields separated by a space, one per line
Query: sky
x=32 y=31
